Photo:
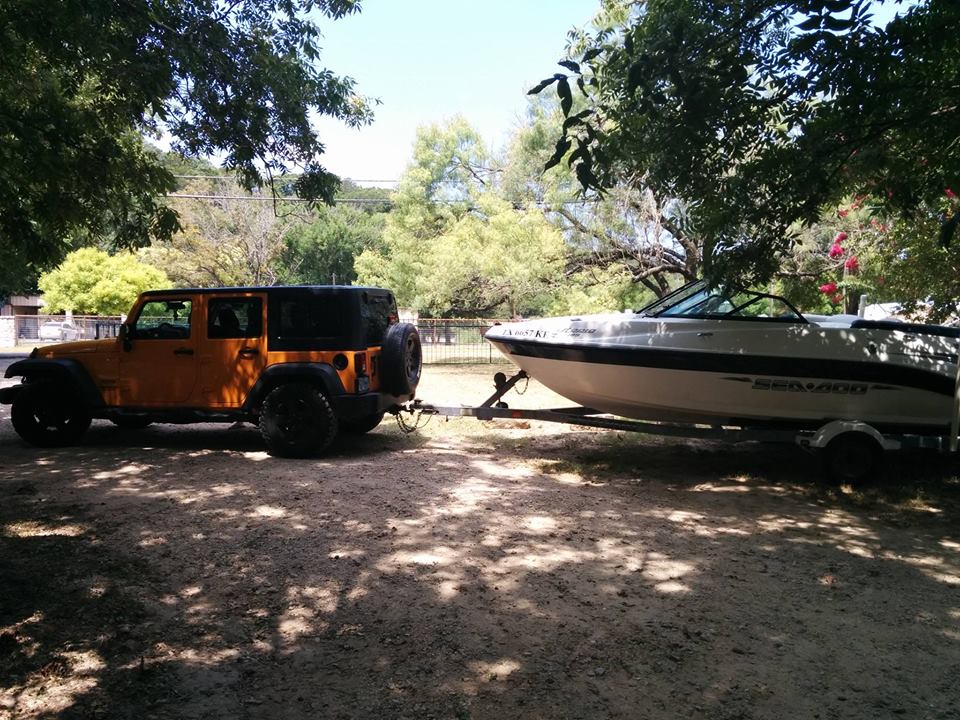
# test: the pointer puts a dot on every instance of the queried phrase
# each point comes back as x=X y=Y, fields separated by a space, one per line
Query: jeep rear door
x=233 y=348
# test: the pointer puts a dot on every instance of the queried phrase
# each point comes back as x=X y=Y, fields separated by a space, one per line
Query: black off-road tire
x=360 y=425
x=48 y=415
x=297 y=420
x=401 y=360
x=131 y=422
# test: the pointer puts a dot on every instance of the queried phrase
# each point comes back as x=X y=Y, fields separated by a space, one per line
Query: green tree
x=453 y=244
x=82 y=80
x=917 y=270
x=437 y=189
x=89 y=281
x=757 y=115
x=232 y=240
x=495 y=258
x=324 y=250
x=627 y=230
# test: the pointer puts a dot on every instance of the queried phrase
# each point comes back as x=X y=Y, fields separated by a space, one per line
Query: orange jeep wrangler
x=303 y=362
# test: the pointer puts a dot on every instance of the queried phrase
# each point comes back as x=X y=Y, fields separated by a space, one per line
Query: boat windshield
x=698 y=300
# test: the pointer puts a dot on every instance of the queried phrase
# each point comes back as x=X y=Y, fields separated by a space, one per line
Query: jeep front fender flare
x=68 y=373
x=319 y=373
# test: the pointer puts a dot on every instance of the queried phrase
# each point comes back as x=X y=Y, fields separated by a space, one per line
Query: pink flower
x=843 y=213
x=841 y=236
x=827 y=288
x=836 y=299
x=835 y=251
x=852 y=263
x=950 y=193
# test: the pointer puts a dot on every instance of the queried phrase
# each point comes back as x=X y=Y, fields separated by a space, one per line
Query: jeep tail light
x=360 y=363
x=392 y=319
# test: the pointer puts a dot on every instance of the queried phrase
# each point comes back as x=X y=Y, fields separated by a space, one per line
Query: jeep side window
x=314 y=317
x=234 y=318
x=163 y=320
x=378 y=312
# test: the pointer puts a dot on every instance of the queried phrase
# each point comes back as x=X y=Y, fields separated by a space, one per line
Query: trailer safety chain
x=418 y=422
x=526 y=384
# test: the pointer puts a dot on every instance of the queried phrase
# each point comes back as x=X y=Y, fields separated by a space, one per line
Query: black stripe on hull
x=848 y=370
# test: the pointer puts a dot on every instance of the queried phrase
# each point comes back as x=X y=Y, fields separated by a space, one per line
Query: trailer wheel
x=852 y=458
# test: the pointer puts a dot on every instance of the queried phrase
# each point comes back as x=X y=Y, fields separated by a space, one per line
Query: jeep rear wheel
x=297 y=420
x=46 y=416
x=361 y=425
x=401 y=359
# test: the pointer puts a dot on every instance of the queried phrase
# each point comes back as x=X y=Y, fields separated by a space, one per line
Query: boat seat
x=906 y=327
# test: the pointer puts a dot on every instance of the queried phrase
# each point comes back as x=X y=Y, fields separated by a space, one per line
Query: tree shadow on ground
x=169 y=574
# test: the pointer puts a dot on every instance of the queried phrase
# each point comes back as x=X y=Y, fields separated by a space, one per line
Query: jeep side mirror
x=124 y=335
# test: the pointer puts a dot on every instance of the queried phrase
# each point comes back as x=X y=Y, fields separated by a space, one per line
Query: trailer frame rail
x=840 y=439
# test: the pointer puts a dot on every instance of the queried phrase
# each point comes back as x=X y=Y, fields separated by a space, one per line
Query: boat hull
x=712 y=356
x=662 y=393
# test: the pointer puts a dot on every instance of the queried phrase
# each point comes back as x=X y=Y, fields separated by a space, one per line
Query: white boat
x=712 y=356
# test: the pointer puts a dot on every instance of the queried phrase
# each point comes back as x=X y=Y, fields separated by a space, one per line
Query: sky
x=430 y=60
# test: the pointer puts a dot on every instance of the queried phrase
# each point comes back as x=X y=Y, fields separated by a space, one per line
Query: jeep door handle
x=183 y=351
x=248 y=352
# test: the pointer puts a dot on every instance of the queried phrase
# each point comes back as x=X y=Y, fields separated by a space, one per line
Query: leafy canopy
x=757 y=114
x=324 y=250
x=89 y=281
x=81 y=80
x=625 y=232
x=452 y=245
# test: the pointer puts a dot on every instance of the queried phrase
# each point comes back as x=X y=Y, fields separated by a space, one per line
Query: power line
x=359 y=201
x=229 y=178
x=264 y=198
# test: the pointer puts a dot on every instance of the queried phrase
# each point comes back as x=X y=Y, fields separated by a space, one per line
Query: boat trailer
x=851 y=449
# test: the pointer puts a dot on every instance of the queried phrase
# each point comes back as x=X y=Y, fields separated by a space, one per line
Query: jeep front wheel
x=297 y=420
x=45 y=416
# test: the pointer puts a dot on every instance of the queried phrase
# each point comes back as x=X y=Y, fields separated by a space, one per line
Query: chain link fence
x=35 y=329
x=450 y=341
x=446 y=341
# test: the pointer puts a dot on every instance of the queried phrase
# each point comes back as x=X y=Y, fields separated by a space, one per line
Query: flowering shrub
x=836 y=261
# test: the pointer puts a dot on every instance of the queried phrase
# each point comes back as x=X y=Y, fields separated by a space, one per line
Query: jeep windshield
x=700 y=300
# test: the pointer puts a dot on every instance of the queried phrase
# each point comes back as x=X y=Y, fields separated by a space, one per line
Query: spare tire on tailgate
x=401 y=360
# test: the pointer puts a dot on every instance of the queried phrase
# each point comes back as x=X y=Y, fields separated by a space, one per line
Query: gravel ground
x=470 y=570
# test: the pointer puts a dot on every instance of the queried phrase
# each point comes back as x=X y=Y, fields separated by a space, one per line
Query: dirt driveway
x=470 y=571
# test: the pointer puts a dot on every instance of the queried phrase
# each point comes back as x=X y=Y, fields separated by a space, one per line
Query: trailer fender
x=822 y=436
